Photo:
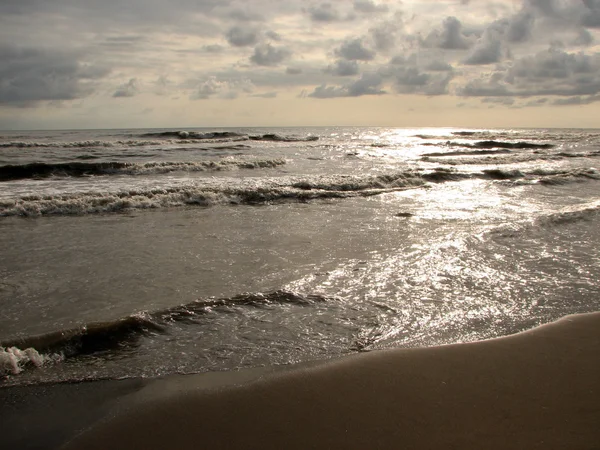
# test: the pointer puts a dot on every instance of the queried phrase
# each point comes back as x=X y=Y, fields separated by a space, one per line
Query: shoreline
x=536 y=389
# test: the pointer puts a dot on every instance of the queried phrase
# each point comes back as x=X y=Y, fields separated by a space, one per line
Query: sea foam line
x=208 y=192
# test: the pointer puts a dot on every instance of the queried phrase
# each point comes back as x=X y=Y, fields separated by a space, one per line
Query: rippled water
x=356 y=239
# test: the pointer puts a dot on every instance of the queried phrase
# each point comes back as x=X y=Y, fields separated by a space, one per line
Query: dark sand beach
x=537 y=389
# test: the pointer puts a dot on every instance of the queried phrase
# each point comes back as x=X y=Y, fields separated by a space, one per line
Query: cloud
x=554 y=72
x=439 y=66
x=224 y=89
x=31 y=75
x=591 y=18
x=324 y=12
x=267 y=55
x=368 y=84
x=411 y=80
x=239 y=36
x=343 y=68
x=129 y=89
x=293 y=70
x=369 y=7
x=385 y=35
x=213 y=48
x=450 y=37
x=520 y=27
x=584 y=38
x=578 y=100
x=488 y=49
x=355 y=50
x=266 y=95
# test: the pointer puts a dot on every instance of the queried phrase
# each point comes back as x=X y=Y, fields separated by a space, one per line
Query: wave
x=568 y=216
x=279 y=138
x=82 y=169
x=500 y=157
x=467 y=133
x=256 y=191
x=494 y=144
x=195 y=135
x=221 y=135
x=79 y=144
x=467 y=153
x=100 y=336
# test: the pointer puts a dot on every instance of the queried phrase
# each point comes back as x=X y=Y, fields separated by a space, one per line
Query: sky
x=68 y=64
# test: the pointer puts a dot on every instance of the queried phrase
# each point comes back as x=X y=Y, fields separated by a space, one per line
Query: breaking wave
x=208 y=192
x=82 y=169
x=100 y=336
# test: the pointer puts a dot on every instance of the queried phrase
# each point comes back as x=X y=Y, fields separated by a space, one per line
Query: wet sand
x=538 y=389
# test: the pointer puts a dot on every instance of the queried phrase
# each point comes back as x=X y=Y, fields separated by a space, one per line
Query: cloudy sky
x=185 y=63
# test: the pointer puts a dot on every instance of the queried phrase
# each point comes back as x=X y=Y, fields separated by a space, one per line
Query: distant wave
x=219 y=135
x=269 y=190
x=500 y=157
x=195 y=135
x=279 y=138
x=98 y=336
x=467 y=153
x=81 y=169
x=494 y=144
x=79 y=144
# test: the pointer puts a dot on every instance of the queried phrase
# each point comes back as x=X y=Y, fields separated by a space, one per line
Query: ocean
x=148 y=252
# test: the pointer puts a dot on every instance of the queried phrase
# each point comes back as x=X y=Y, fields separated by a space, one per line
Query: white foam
x=13 y=359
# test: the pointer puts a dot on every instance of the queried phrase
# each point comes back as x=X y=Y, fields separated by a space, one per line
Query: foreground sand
x=539 y=389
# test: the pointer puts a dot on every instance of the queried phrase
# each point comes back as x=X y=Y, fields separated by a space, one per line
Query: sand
x=538 y=389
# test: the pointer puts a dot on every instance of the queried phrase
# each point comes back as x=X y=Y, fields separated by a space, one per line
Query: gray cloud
x=591 y=18
x=520 y=27
x=324 y=12
x=385 y=35
x=293 y=70
x=488 y=49
x=213 y=48
x=368 y=84
x=369 y=7
x=239 y=36
x=267 y=55
x=224 y=89
x=450 y=37
x=355 y=50
x=343 y=68
x=584 y=38
x=439 y=66
x=129 y=89
x=550 y=73
x=273 y=36
x=29 y=75
x=411 y=80
x=578 y=100
x=265 y=95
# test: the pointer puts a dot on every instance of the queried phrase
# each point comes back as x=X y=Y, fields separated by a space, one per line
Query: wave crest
x=100 y=336
x=82 y=169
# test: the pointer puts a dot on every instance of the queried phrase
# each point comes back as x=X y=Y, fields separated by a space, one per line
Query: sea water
x=127 y=253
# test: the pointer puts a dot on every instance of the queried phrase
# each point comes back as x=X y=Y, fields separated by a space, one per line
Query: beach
x=536 y=389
